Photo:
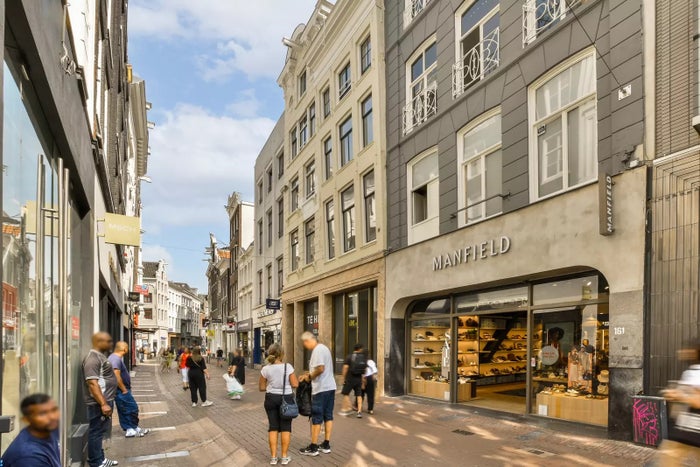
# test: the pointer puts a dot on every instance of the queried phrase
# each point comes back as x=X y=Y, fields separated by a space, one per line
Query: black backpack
x=358 y=364
x=304 y=398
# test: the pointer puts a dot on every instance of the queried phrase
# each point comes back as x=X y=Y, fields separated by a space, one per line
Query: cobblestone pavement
x=403 y=432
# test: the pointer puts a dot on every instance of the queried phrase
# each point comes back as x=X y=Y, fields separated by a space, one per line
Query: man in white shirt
x=323 y=389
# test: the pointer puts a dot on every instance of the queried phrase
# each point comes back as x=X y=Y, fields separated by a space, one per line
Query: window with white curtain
x=423 y=197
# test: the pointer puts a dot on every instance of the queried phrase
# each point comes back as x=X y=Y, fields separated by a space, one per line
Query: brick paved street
x=402 y=432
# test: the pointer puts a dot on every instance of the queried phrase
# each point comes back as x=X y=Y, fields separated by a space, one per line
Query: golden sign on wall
x=122 y=230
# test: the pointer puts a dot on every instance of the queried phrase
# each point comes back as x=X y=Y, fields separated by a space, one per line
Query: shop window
x=310 y=325
x=564 y=128
x=479 y=147
x=423 y=198
x=354 y=321
x=429 y=349
x=370 y=207
x=348 y=205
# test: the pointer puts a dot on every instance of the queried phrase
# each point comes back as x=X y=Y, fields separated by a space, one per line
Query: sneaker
x=235 y=398
x=143 y=431
x=310 y=450
x=285 y=460
x=325 y=447
x=359 y=414
x=207 y=403
x=345 y=413
x=194 y=404
x=371 y=412
x=131 y=433
x=273 y=460
x=108 y=463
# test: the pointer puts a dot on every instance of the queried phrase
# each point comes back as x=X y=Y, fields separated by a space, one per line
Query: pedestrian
x=99 y=397
x=323 y=389
x=183 y=368
x=354 y=368
x=369 y=385
x=198 y=374
x=277 y=380
x=237 y=365
x=142 y=354
x=219 y=357
x=37 y=444
x=127 y=408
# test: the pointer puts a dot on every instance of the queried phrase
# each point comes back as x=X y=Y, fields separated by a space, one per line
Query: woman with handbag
x=278 y=381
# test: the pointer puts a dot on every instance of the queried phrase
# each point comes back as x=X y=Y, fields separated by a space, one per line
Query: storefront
x=243 y=335
x=534 y=312
x=267 y=331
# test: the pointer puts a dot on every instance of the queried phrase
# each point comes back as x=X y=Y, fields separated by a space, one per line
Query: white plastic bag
x=233 y=386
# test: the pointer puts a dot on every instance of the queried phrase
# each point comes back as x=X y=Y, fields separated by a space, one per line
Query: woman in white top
x=369 y=385
x=273 y=383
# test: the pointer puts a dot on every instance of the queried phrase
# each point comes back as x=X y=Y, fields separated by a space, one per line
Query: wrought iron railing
x=422 y=107
x=413 y=9
x=479 y=61
x=540 y=14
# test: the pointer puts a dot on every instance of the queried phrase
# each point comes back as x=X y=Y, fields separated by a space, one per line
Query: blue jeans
x=322 y=407
x=98 y=427
x=128 y=410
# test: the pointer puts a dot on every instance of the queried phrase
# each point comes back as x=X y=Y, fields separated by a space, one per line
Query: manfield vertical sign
x=606 y=219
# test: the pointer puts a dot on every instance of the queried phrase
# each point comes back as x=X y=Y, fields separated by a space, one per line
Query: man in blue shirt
x=37 y=444
x=127 y=408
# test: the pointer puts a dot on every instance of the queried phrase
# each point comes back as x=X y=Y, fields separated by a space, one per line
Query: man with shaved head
x=99 y=397
x=127 y=408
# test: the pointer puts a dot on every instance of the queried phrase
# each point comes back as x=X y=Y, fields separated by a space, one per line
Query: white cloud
x=247 y=34
x=247 y=105
x=156 y=253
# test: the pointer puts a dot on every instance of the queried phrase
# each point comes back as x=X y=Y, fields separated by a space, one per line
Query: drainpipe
x=696 y=40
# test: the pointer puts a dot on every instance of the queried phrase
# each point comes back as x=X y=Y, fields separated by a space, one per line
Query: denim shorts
x=322 y=407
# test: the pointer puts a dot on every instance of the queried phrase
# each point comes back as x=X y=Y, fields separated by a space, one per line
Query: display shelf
x=427 y=340
x=499 y=363
x=431 y=327
x=493 y=329
x=550 y=380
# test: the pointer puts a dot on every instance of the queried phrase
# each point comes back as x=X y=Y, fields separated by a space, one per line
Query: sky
x=211 y=69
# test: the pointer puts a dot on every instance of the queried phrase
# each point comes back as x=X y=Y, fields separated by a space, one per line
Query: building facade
x=333 y=83
x=184 y=309
x=270 y=185
x=218 y=281
x=246 y=275
x=153 y=322
x=516 y=206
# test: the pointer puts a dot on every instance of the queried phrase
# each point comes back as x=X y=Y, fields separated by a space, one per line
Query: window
x=310 y=177
x=280 y=276
x=367 y=121
x=354 y=320
x=269 y=180
x=294 y=195
x=269 y=280
x=563 y=128
x=310 y=238
x=330 y=228
x=260 y=288
x=326 y=102
x=480 y=170
x=423 y=197
x=344 y=81
x=365 y=55
x=477 y=43
x=148 y=313
x=260 y=236
x=293 y=138
x=280 y=217
x=538 y=15
x=302 y=83
x=269 y=228
x=303 y=131
x=328 y=157
x=370 y=207
x=312 y=119
x=348 y=205
x=346 y=141
x=421 y=93
x=280 y=166
x=294 y=249
x=260 y=191
x=412 y=9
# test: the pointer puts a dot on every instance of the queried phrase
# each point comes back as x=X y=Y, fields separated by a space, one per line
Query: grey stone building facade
x=514 y=128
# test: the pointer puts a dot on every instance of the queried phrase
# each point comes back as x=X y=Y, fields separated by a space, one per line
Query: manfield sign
x=472 y=253
x=605 y=204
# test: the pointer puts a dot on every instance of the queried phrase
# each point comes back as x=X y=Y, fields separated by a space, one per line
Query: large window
x=280 y=276
x=367 y=121
x=294 y=148
x=280 y=165
x=348 y=206
x=302 y=83
x=303 y=131
x=421 y=87
x=269 y=280
x=563 y=128
x=344 y=81
x=269 y=228
x=538 y=15
x=328 y=157
x=481 y=183
x=370 y=207
x=310 y=178
x=346 y=141
x=330 y=228
x=310 y=240
x=326 y=97
x=423 y=197
x=477 y=42
x=294 y=194
x=354 y=320
x=365 y=55
x=261 y=293
x=280 y=217
x=260 y=236
x=294 y=250
x=312 y=119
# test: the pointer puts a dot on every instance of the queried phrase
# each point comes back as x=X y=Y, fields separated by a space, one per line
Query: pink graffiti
x=645 y=417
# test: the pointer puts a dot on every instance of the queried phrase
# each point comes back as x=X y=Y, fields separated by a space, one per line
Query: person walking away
x=182 y=363
x=237 y=368
x=99 y=397
x=127 y=408
x=142 y=353
x=369 y=385
x=276 y=386
x=37 y=444
x=354 y=369
x=219 y=357
x=323 y=389
x=198 y=374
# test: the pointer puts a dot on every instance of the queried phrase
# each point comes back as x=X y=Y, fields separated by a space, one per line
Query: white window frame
x=413 y=8
x=344 y=225
x=331 y=243
x=463 y=163
x=294 y=245
x=343 y=91
x=561 y=113
x=413 y=236
x=310 y=178
x=530 y=16
x=409 y=122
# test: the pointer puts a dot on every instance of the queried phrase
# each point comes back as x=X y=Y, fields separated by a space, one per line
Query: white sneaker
x=207 y=403
x=194 y=404
x=142 y=431
x=131 y=433
x=235 y=398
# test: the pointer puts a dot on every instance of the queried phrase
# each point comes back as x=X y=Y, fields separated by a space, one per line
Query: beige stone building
x=333 y=82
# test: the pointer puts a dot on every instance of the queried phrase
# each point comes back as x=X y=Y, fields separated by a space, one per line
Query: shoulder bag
x=288 y=410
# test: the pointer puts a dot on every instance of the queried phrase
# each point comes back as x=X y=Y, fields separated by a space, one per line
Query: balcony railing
x=421 y=108
x=479 y=61
x=413 y=9
x=538 y=15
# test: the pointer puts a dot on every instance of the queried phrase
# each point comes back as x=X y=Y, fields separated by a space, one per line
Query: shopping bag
x=233 y=387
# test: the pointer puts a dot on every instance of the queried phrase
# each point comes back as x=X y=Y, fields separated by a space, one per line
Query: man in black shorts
x=219 y=357
x=353 y=370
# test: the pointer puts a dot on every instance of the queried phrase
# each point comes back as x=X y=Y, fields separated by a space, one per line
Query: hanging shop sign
x=472 y=253
x=273 y=304
x=134 y=296
x=605 y=204
x=122 y=230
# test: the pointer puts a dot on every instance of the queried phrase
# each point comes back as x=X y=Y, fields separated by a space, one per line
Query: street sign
x=273 y=304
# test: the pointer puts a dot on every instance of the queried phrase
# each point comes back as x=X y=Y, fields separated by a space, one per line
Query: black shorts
x=353 y=384
x=273 y=402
